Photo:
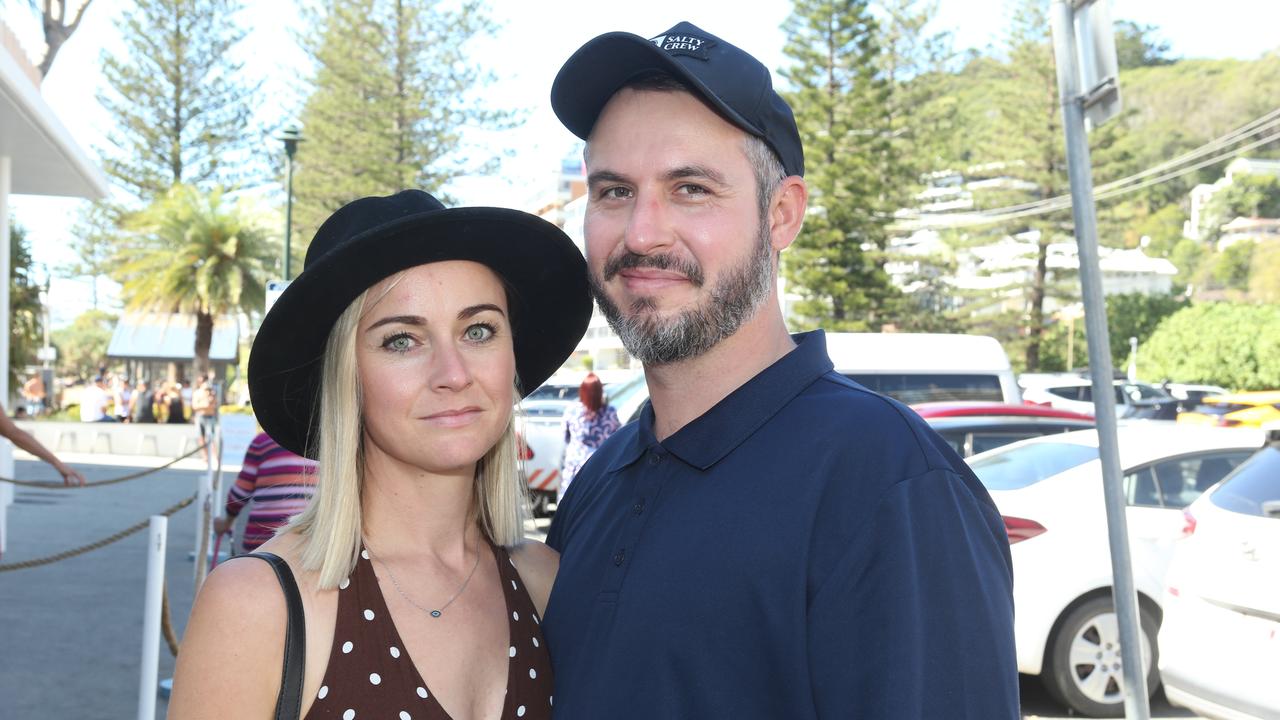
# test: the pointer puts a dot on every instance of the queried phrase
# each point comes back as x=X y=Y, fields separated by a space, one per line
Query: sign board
x=237 y=432
x=1099 y=70
x=47 y=354
x=274 y=289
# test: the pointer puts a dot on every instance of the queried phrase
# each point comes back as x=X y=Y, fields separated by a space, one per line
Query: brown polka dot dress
x=370 y=675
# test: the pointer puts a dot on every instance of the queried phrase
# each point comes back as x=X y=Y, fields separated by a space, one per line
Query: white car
x=1075 y=393
x=1220 y=639
x=1049 y=490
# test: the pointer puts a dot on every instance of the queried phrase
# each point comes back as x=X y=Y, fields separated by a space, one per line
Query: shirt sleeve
x=242 y=491
x=915 y=620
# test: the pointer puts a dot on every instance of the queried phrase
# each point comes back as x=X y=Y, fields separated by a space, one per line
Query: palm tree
x=196 y=253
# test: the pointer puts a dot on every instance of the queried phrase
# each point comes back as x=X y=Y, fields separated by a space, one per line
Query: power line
x=1131 y=183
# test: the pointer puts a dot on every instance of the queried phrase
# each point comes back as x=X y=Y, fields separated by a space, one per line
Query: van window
x=919 y=388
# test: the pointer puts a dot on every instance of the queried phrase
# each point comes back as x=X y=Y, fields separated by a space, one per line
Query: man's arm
x=916 y=620
x=26 y=441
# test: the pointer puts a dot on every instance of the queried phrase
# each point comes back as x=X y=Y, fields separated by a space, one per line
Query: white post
x=151 y=617
x=6 y=448
x=204 y=498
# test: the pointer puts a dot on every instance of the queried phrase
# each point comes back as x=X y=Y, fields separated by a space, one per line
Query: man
x=770 y=539
x=204 y=410
x=93 y=401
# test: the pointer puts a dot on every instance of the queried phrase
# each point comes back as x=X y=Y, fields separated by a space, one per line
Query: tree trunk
x=1035 y=311
x=204 y=339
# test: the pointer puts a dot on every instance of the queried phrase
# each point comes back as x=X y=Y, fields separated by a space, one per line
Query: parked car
x=538 y=425
x=1049 y=490
x=1248 y=409
x=1220 y=639
x=926 y=367
x=974 y=427
x=1072 y=392
x=1190 y=395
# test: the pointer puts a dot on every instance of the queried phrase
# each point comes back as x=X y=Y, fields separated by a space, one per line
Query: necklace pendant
x=435 y=613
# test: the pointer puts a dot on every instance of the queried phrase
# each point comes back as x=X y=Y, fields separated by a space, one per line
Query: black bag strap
x=289 y=702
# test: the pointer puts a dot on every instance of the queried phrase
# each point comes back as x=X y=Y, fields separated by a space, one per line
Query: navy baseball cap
x=732 y=81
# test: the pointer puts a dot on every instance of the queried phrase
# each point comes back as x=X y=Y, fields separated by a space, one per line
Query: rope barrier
x=166 y=623
x=110 y=481
x=50 y=559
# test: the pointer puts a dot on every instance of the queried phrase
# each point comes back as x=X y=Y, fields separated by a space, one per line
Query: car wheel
x=1083 y=669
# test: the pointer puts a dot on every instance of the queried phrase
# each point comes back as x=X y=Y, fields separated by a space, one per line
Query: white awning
x=45 y=158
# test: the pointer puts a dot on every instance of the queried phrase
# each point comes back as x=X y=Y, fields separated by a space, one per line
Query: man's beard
x=732 y=302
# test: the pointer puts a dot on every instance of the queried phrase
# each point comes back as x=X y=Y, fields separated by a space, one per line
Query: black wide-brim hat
x=373 y=238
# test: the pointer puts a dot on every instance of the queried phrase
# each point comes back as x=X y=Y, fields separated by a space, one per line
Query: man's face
x=677 y=252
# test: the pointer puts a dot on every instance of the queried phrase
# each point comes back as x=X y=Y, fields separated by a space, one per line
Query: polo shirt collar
x=717 y=432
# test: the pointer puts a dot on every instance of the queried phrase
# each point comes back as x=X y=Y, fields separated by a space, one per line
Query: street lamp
x=291 y=136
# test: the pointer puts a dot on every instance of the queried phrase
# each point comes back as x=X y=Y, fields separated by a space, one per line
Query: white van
x=926 y=367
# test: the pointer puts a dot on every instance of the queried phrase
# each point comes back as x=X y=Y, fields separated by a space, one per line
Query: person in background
x=26 y=441
x=33 y=392
x=142 y=406
x=175 y=411
x=121 y=396
x=586 y=426
x=204 y=410
x=94 y=400
x=279 y=482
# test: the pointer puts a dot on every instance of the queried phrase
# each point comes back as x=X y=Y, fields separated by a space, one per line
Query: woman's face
x=436 y=365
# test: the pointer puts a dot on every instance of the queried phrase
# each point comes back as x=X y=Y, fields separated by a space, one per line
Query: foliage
x=57 y=29
x=196 y=253
x=840 y=99
x=392 y=91
x=1137 y=47
x=26 y=324
x=180 y=108
x=1246 y=196
x=1229 y=344
x=82 y=345
x=93 y=241
x=1231 y=266
x=1264 y=272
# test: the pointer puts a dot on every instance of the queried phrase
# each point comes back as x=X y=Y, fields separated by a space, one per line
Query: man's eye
x=398 y=343
x=615 y=193
x=691 y=189
x=479 y=332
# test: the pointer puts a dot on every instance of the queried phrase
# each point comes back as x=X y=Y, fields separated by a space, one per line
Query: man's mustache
x=628 y=260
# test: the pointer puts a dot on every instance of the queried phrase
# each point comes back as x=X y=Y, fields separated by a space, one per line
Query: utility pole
x=1084 y=45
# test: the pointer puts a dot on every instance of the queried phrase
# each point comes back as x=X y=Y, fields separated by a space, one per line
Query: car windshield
x=1254 y=487
x=1023 y=465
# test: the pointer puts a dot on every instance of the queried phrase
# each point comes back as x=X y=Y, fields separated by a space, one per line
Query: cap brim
x=550 y=304
x=603 y=65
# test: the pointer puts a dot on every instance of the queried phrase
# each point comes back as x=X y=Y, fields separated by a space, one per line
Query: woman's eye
x=479 y=333
x=398 y=343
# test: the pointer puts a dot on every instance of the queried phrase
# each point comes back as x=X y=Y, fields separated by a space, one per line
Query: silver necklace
x=433 y=613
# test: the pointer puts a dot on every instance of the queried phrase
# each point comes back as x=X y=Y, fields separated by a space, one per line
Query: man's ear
x=786 y=213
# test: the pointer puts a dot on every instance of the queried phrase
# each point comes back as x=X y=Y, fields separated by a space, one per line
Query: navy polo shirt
x=805 y=549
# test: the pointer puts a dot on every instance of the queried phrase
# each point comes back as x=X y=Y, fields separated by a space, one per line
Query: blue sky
x=535 y=38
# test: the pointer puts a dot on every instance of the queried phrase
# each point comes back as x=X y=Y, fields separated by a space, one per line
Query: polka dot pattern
x=370 y=674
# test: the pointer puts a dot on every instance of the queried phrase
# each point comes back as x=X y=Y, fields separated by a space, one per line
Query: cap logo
x=690 y=45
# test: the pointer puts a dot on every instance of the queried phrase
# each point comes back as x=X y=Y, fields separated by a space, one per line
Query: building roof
x=46 y=160
x=164 y=336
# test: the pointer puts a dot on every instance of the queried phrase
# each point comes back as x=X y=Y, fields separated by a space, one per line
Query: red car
x=974 y=427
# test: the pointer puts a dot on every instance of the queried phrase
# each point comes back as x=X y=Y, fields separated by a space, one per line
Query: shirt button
x=618 y=557
x=654 y=458
x=638 y=507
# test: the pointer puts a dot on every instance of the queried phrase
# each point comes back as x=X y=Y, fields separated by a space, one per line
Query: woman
x=277 y=482
x=393 y=359
x=586 y=426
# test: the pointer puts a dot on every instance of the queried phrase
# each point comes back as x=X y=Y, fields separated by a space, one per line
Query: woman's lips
x=454 y=418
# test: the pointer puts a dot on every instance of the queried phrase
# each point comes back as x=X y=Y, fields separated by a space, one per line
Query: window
x=912 y=388
x=1255 y=487
x=1177 y=482
x=1026 y=465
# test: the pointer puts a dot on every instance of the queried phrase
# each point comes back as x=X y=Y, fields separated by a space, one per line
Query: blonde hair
x=331 y=525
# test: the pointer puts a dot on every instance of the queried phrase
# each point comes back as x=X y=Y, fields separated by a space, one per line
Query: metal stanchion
x=204 y=496
x=151 y=617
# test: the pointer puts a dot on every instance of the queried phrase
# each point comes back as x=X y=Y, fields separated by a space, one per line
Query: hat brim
x=545 y=276
x=593 y=74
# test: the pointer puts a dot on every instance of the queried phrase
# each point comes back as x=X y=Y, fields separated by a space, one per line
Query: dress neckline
x=498 y=554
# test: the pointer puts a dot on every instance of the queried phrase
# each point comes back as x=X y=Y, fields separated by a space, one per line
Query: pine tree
x=391 y=95
x=26 y=321
x=181 y=107
x=839 y=98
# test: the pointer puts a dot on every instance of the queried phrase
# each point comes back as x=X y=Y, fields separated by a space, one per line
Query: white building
x=37 y=157
x=1204 y=192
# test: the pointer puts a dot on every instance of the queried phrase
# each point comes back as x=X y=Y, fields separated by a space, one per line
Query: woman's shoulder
x=537 y=564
